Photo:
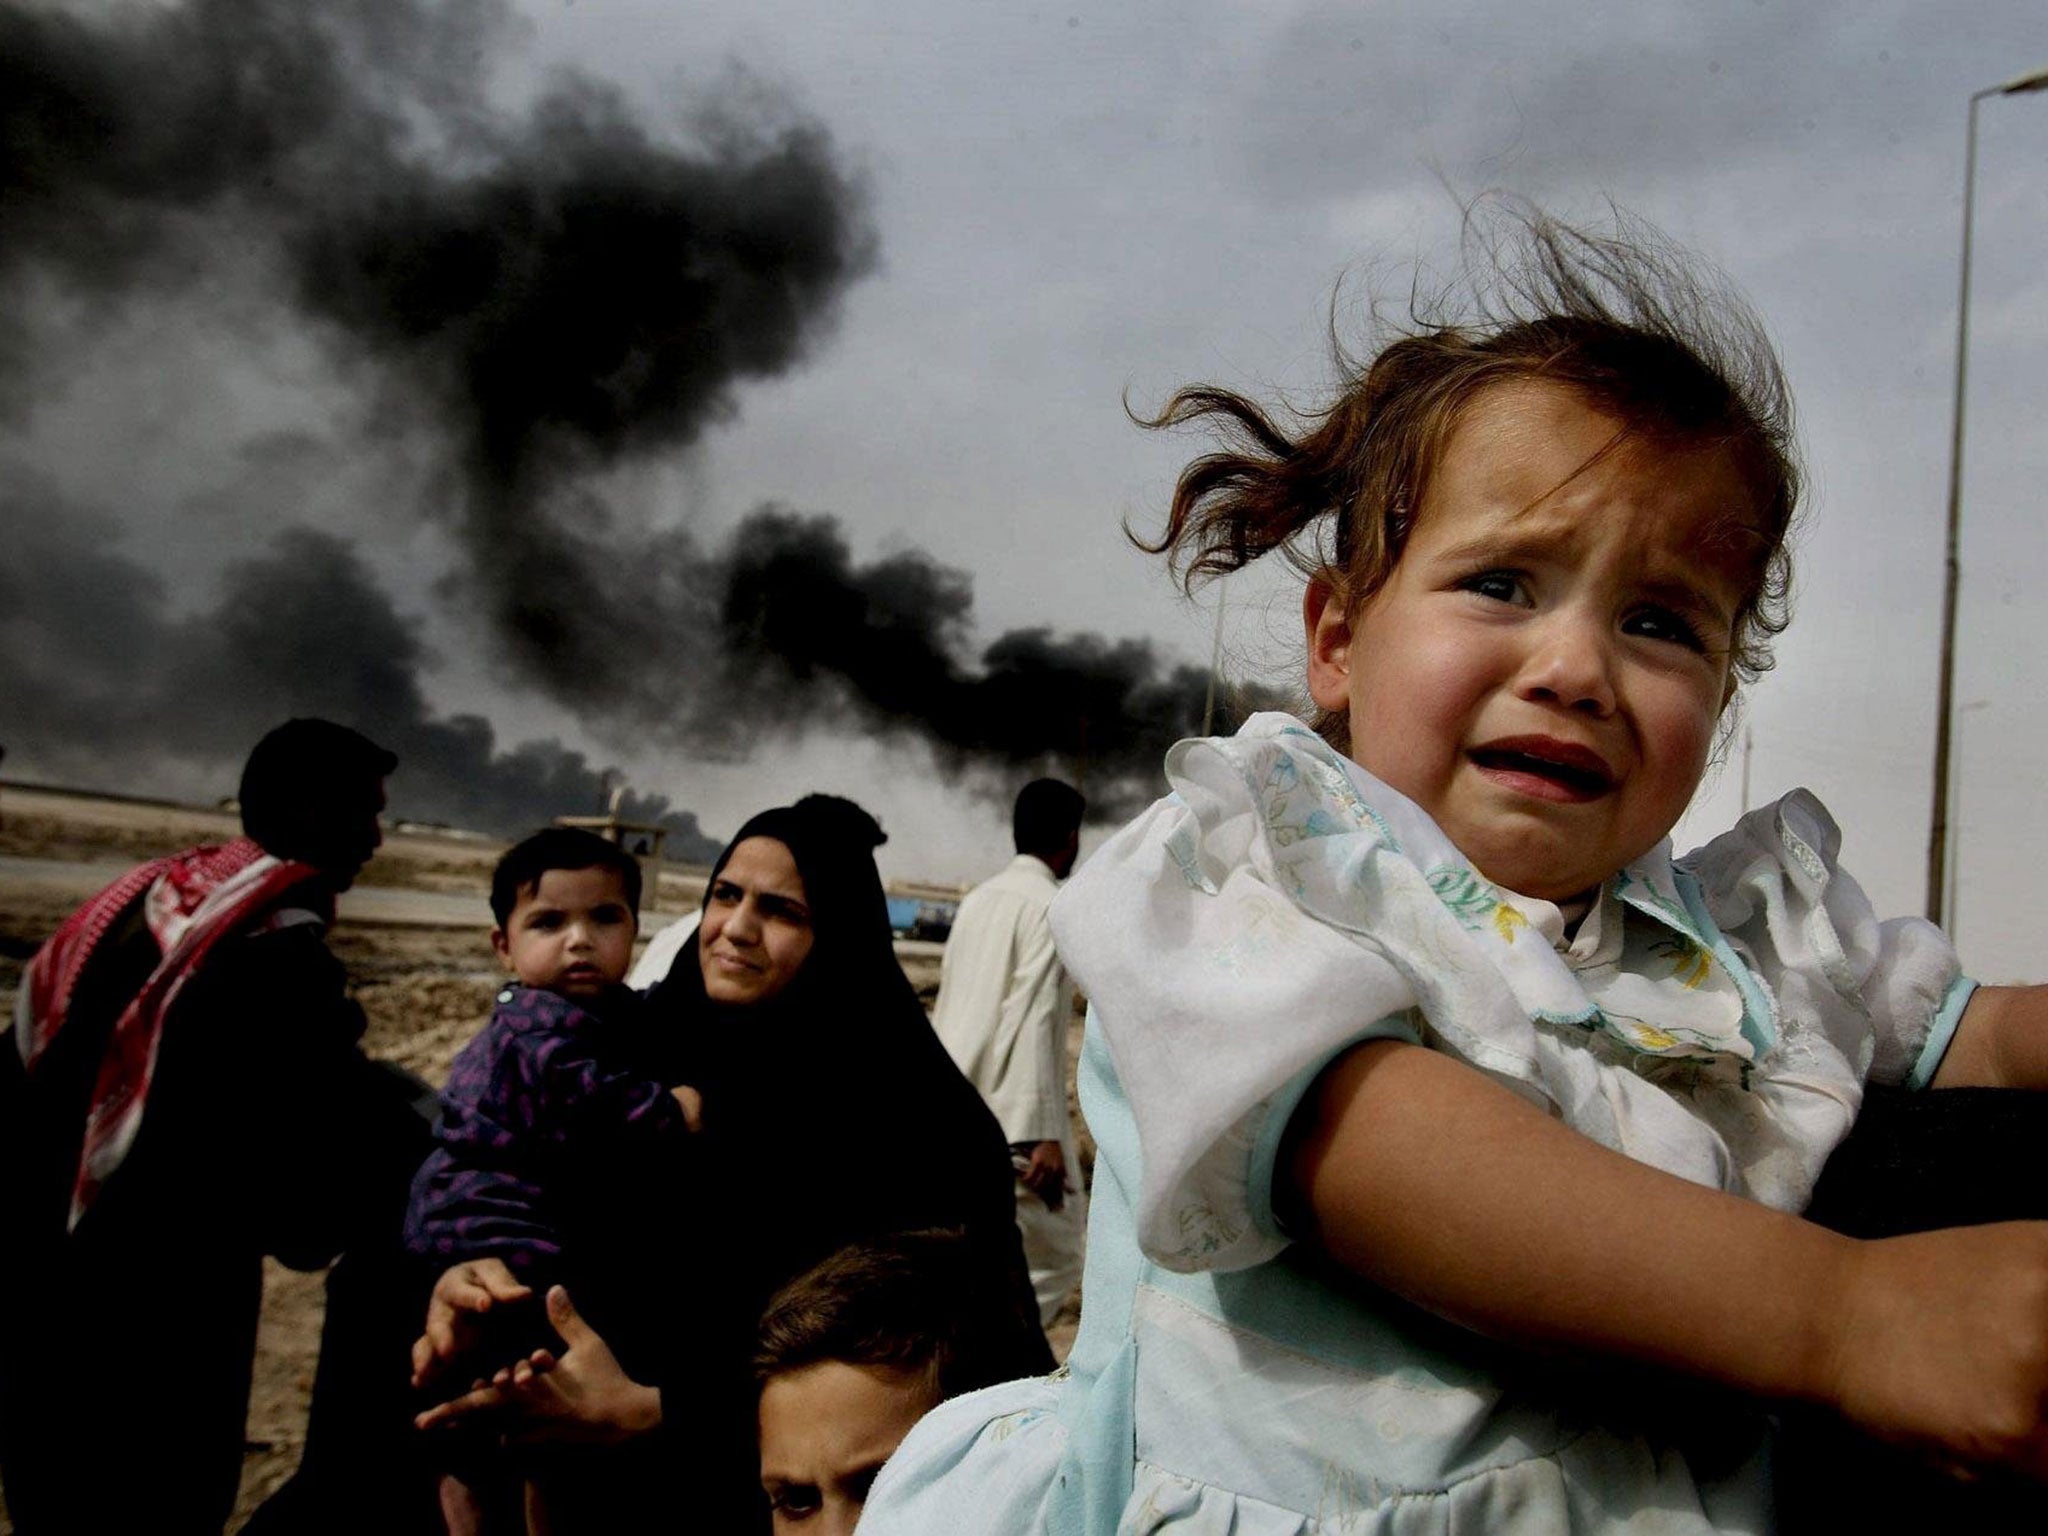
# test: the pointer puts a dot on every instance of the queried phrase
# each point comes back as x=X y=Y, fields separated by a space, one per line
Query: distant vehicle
x=915 y=917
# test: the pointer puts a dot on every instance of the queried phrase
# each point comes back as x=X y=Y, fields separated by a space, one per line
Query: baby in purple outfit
x=566 y=1077
x=560 y=1068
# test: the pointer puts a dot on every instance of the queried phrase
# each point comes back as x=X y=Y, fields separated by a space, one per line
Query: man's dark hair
x=558 y=848
x=1048 y=815
x=926 y=1303
x=310 y=788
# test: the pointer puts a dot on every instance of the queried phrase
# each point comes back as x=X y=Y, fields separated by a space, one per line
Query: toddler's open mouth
x=1580 y=772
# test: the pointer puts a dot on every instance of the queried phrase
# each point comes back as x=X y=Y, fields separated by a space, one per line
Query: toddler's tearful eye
x=1664 y=624
x=1499 y=586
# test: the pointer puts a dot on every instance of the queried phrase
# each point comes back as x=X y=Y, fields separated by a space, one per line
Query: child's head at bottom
x=1545 y=542
x=854 y=1352
x=567 y=908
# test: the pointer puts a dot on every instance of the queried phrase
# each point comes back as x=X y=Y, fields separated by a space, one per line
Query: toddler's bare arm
x=1423 y=1175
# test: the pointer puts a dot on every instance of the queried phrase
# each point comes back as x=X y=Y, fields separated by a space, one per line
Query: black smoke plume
x=104 y=681
x=807 y=633
x=791 y=635
x=544 y=298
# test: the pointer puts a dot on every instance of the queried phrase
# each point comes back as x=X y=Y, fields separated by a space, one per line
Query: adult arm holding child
x=2001 y=1041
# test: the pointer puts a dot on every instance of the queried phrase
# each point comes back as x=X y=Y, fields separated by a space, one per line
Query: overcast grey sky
x=1072 y=205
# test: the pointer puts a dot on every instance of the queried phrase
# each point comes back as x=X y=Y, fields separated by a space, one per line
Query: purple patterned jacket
x=545 y=1081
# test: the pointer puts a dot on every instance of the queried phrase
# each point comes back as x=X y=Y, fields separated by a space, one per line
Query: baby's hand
x=463 y=1298
x=692 y=1102
x=1942 y=1344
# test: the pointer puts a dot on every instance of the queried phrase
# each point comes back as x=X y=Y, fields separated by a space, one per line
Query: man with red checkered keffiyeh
x=181 y=1093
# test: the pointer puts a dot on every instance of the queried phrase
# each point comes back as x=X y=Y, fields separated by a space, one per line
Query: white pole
x=1944 y=708
x=1215 y=667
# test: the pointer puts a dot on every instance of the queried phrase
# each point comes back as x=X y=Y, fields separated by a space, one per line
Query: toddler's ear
x=501 y=947
x=1326 y=617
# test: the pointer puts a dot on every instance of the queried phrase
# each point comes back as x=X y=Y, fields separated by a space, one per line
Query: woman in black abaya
x=830 y=1114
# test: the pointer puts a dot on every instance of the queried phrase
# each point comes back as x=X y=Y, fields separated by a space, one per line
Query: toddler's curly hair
x=1626 y=318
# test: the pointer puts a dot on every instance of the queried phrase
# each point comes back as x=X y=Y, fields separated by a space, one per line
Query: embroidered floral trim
x=1691 y=962
x=1313 y=807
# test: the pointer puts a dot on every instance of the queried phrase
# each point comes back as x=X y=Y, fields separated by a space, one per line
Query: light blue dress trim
x=1759 y=1013
x=1946 y=1018
x=1280 y=1110
x=1093 y=1482
x=1095 y=1476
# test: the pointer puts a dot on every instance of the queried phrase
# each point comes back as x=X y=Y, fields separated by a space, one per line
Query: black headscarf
x=853 y=956
x=832 y=1115
x=848 y=1016
x=831 y=1111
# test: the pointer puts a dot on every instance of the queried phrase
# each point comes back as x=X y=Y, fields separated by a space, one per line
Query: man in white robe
x=1002 y=1012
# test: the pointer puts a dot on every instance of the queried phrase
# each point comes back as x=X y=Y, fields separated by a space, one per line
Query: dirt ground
x=424 y=990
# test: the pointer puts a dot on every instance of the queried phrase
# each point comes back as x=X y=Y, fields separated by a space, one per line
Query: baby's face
x=571 y=933
x=826 y=1429
x=1544 y=669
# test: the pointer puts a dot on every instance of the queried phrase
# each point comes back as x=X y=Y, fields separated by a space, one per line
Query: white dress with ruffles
x=1715 y=1016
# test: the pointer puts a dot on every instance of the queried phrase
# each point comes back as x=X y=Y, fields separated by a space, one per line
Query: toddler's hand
x=692 y=1102
x=462 y=1296
x=1942 y=1344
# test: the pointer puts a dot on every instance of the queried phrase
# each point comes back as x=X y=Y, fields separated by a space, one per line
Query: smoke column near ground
x=97 y=671
x=546 y=296
x=795 y=636
x=884 y=646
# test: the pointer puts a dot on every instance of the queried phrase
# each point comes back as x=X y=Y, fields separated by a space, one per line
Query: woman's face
x=756 y=931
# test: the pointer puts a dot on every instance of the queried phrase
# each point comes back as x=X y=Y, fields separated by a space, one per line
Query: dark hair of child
x=917 y=1302
x=1626 y=319
x=1048 y=813
x=519 y=871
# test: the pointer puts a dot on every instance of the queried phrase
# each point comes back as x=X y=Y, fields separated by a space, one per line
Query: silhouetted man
x=182 y=1093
